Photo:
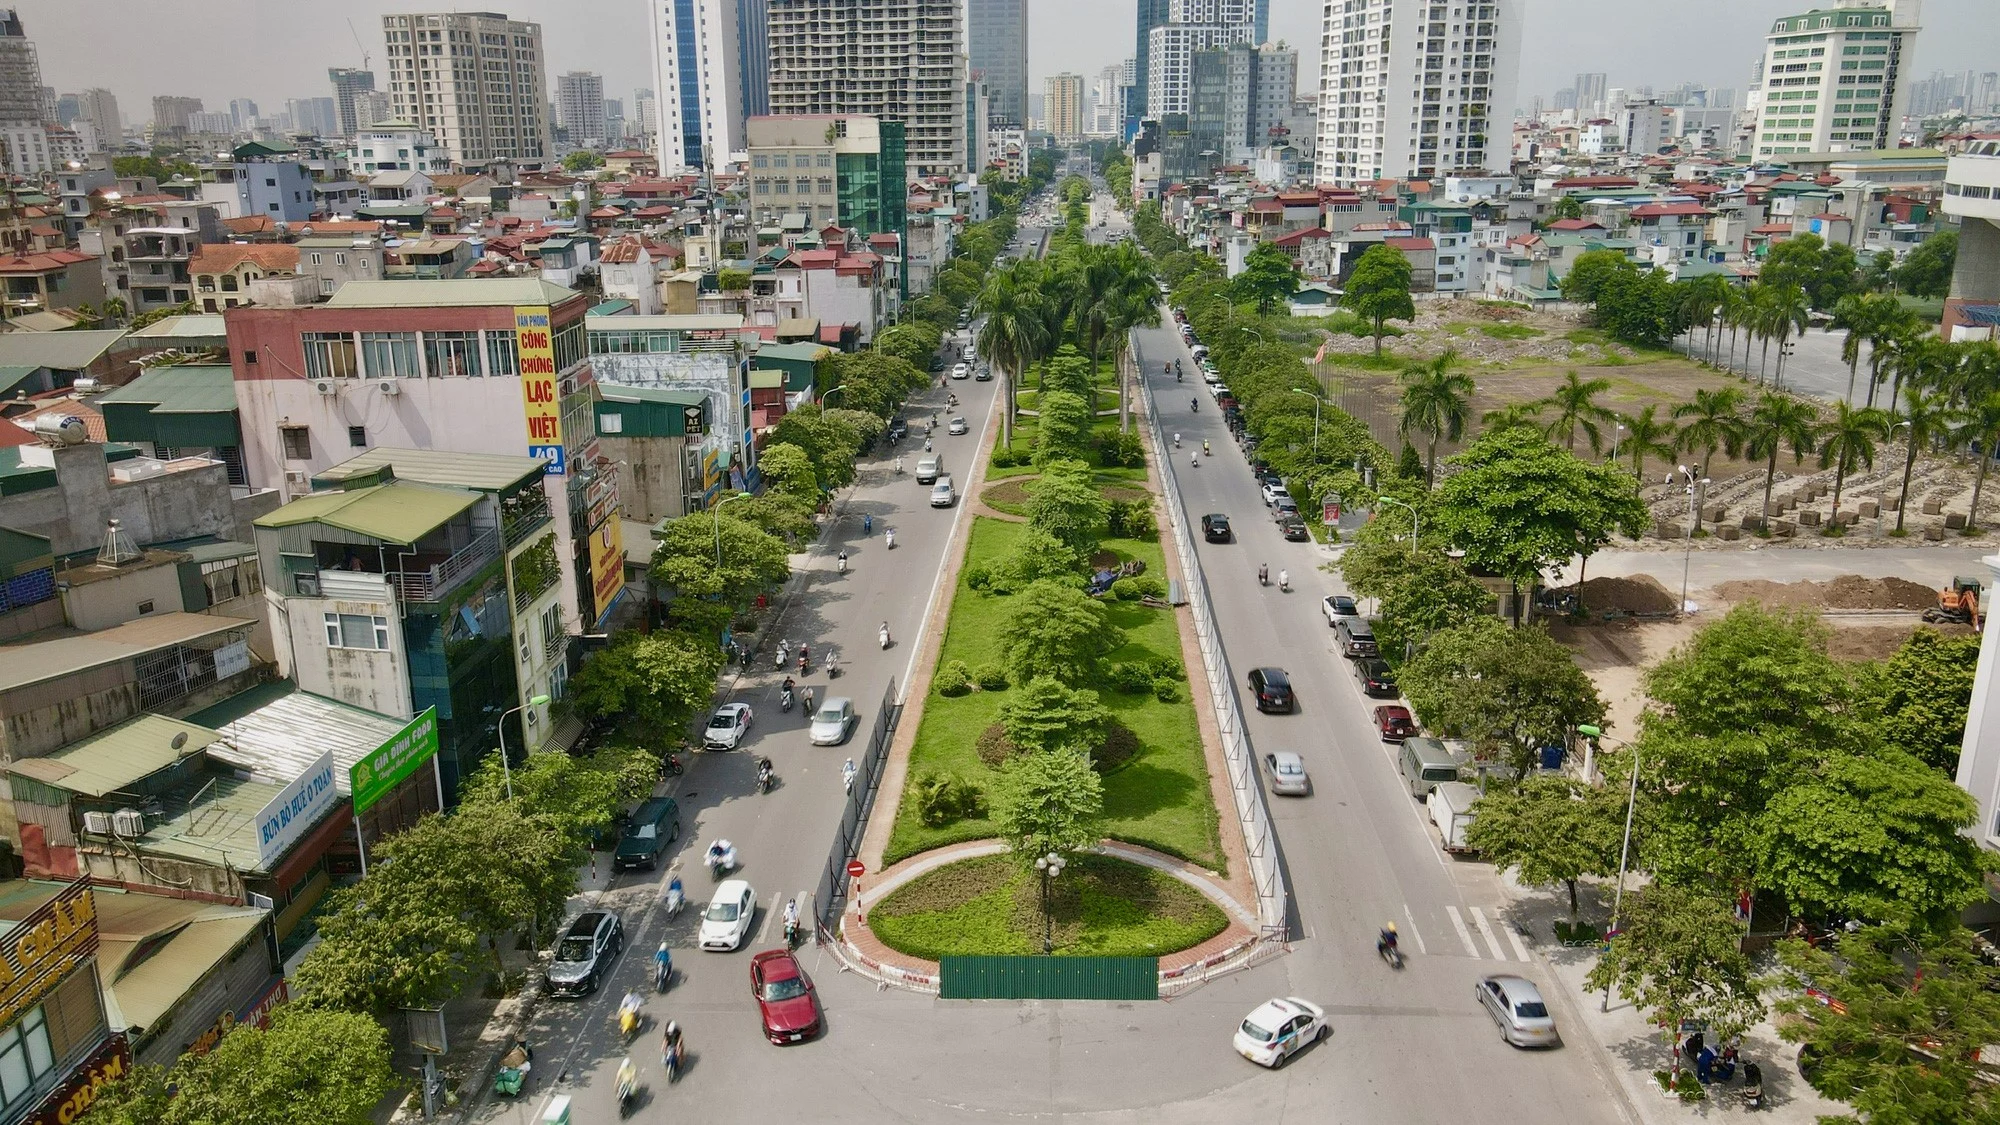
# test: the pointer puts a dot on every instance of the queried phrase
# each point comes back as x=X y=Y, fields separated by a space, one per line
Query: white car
x=961 y=371
x=958 y=426
x=1273 y=490
x=1287 y=773
x=726 y=922
x=1517 y=1006
x=833 y=721
x=1279 y=1028
x=726 y=727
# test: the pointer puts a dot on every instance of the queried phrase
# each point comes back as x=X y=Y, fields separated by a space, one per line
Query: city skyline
x=1709 y=42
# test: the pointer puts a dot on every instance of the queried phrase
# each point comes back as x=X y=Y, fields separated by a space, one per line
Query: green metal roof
x=63 y=351
x=22 y=551
x=615 y=393
x=12 y=374
x=394 y=513
x=113 y=759
x=480 y=472
x=614 y=307
x=463 y=292
x=806 y=352
x=195 y=325
x=18 y=476
x=189 y=388
x=222 y=827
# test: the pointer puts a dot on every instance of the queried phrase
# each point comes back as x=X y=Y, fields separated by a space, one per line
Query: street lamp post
x=1413 y=517
x=507 y=767
x=831 y=391
x=718 y=524
x=1617 y=436
x=1318 y=401
x=1050 y=866
x=1696 y=490
x=1625 y=850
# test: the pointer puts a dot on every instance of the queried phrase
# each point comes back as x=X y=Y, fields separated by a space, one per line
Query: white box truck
x=1451 y=810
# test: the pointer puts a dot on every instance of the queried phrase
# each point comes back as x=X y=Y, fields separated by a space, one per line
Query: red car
x=785 y=997
x=1395 y=723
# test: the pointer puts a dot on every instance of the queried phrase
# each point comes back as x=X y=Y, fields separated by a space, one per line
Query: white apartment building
x=903 y=60
x=398 y=146
x=474 y=80
x=580 y=107
x=1062 y=105
x=699 y=101
x=1836 y=79
x=1412 y=88
x=1191 y=26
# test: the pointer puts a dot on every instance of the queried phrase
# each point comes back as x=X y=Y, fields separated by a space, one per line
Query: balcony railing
x=432 y=584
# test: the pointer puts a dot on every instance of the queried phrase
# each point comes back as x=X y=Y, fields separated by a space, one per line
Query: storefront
x=56 y=1047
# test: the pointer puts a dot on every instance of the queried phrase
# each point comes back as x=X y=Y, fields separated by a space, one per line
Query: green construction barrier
x=1049 y=978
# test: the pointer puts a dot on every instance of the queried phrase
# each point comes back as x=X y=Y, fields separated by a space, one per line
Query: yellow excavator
x=1958 y=602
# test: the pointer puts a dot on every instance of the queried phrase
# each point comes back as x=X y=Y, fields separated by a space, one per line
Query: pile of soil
x=1641 y=593
x=1849 y=591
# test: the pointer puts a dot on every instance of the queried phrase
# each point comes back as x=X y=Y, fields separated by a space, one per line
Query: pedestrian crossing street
x=1478 y=937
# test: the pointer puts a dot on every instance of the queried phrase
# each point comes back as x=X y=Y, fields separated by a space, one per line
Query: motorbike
x=514 y=1067
x=1204 y=445
x=785 y=700
x=784 y=654
x=1194 y=404
x=847 y=776
x=883 y=635
x=832 y=666
x=1285 y=581
x=628 y=1087
x=1390 y=953
x=663 y=968
x=670 y=1061
x=840 y=563
x=791 y=931
x=676 y=899
x=671 y=766
x=630 y=1017
x=1177 y=441
x=868 y=521
x=889 y=539
x=1194 y=459
x=720 y=863
x=764 y=778
x=1263 y=576
x=1753 y=1087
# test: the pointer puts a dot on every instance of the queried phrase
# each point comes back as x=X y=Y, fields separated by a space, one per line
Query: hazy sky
x=270 y=50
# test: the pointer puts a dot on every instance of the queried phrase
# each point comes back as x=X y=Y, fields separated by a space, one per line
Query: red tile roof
x=829 y=334
x=223 y=257
x=1299 y=236
x=1664 y=210
x=12 y=435
x=43 y=263
x=1772 y=228
x=1408 y=244
x=1576 y=224
x=623 y=252
x=1266 y=206
x=607 y=213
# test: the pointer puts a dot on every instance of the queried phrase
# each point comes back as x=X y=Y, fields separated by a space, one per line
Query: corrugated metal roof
x=685 y=322
x=191 y=324
x=114 y=759
x=482 y=472
x=282 y=739
x=461 y=292
x=188 y=388
x=804 y=351
x=223 y=827
x=21 y=665
x=64 y=351
x=613 y=392
x=397 y=513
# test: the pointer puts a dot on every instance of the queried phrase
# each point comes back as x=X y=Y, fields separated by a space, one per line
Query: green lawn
x=1159 y=799
x=1101 y=907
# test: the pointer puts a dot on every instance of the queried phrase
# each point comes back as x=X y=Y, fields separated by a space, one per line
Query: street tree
x=702 y=596
x=1926 y=270
x=1507 y=691
x=1379 y=289
x=1064 y=503
x=1847 y=442
x=789 y=469
x=1639 y=307
x=1775 y=422
x=1551 y=829
x=876 y=383
x=1926 y=416
x=582 y=160
x=1269 y=277
x=1754 y=669
x=1043 y=715
x=384 y=946
x=1591 y=271
x=578 y=795
x=1873 y=837
x=1437 y=401
x=1518 y=504
x=913 y=342
x=1903 y=1046
x=1678 y=957
x=1573 y=406
x=1567 y=207
x=1038 y=555
x=829 y=442
x=309 y=1067
x=1057 y=630
x=1920 y=696
x=1049 y=802
x=1427 y=594
x=649 y=684
x=1012 y=335
x=1647 y=435
x=1066 y=421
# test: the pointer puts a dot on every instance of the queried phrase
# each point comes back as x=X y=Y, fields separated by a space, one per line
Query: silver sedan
x=1516 y=1005
x=1287 y=772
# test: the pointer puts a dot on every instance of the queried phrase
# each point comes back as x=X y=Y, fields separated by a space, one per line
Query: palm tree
x=1776 y=422
x=1894 y=323
x=1513 y=414
x=114 y=309
x=1858 y=313
x=1437 y=401
x=1847 y=442
x=1575 y=402
x=1785 y=311
x=1980 y=429
x=1714 y=420
x=1698 y=299
x=1647 y=435
x=1928 y=416
x=1013 y=336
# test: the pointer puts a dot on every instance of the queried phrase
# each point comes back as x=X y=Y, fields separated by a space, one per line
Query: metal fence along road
x=1260 y=840
x=831 y=895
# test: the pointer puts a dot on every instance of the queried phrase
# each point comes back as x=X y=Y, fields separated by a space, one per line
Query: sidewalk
x=1629 y=1048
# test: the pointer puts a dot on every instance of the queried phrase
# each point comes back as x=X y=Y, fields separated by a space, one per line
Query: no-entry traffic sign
x=855 y=869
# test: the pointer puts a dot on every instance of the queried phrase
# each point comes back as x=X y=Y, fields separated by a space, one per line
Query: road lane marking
x=1521 y=951
x=1479 y=920
x=1414 y=932
x=1464 y=935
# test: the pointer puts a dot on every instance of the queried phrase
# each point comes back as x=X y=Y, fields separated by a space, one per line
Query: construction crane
x=358 y=43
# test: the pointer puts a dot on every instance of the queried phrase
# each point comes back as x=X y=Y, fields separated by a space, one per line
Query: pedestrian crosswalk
x=1487 y=944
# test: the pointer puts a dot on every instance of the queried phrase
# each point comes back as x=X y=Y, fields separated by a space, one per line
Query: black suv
x=1273 y=690
x=1376 y=678
x=1215 y=527
x=899 y=428
x=584 y=954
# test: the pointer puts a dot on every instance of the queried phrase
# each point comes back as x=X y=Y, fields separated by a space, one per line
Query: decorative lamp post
x=718 y=524
x=1413 y=518
x=1050 y=866
x=1625 y=850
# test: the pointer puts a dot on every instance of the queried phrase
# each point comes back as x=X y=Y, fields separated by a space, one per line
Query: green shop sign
x=373 y=776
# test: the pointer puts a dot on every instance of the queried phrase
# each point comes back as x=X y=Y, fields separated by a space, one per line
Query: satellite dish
x=180 y=739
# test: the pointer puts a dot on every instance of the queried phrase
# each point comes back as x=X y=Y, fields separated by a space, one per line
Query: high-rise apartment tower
x=902 y=60
x=1836 y=79
x=475 y=80
x=996 y=36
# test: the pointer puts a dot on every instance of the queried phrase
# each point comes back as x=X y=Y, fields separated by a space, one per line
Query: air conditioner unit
x=297 y=483
x=97 y=822
x=390 y=386
x=128 y=822
x=326 y=386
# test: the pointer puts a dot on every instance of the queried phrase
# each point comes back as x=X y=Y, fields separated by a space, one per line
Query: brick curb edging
x=860 y=951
